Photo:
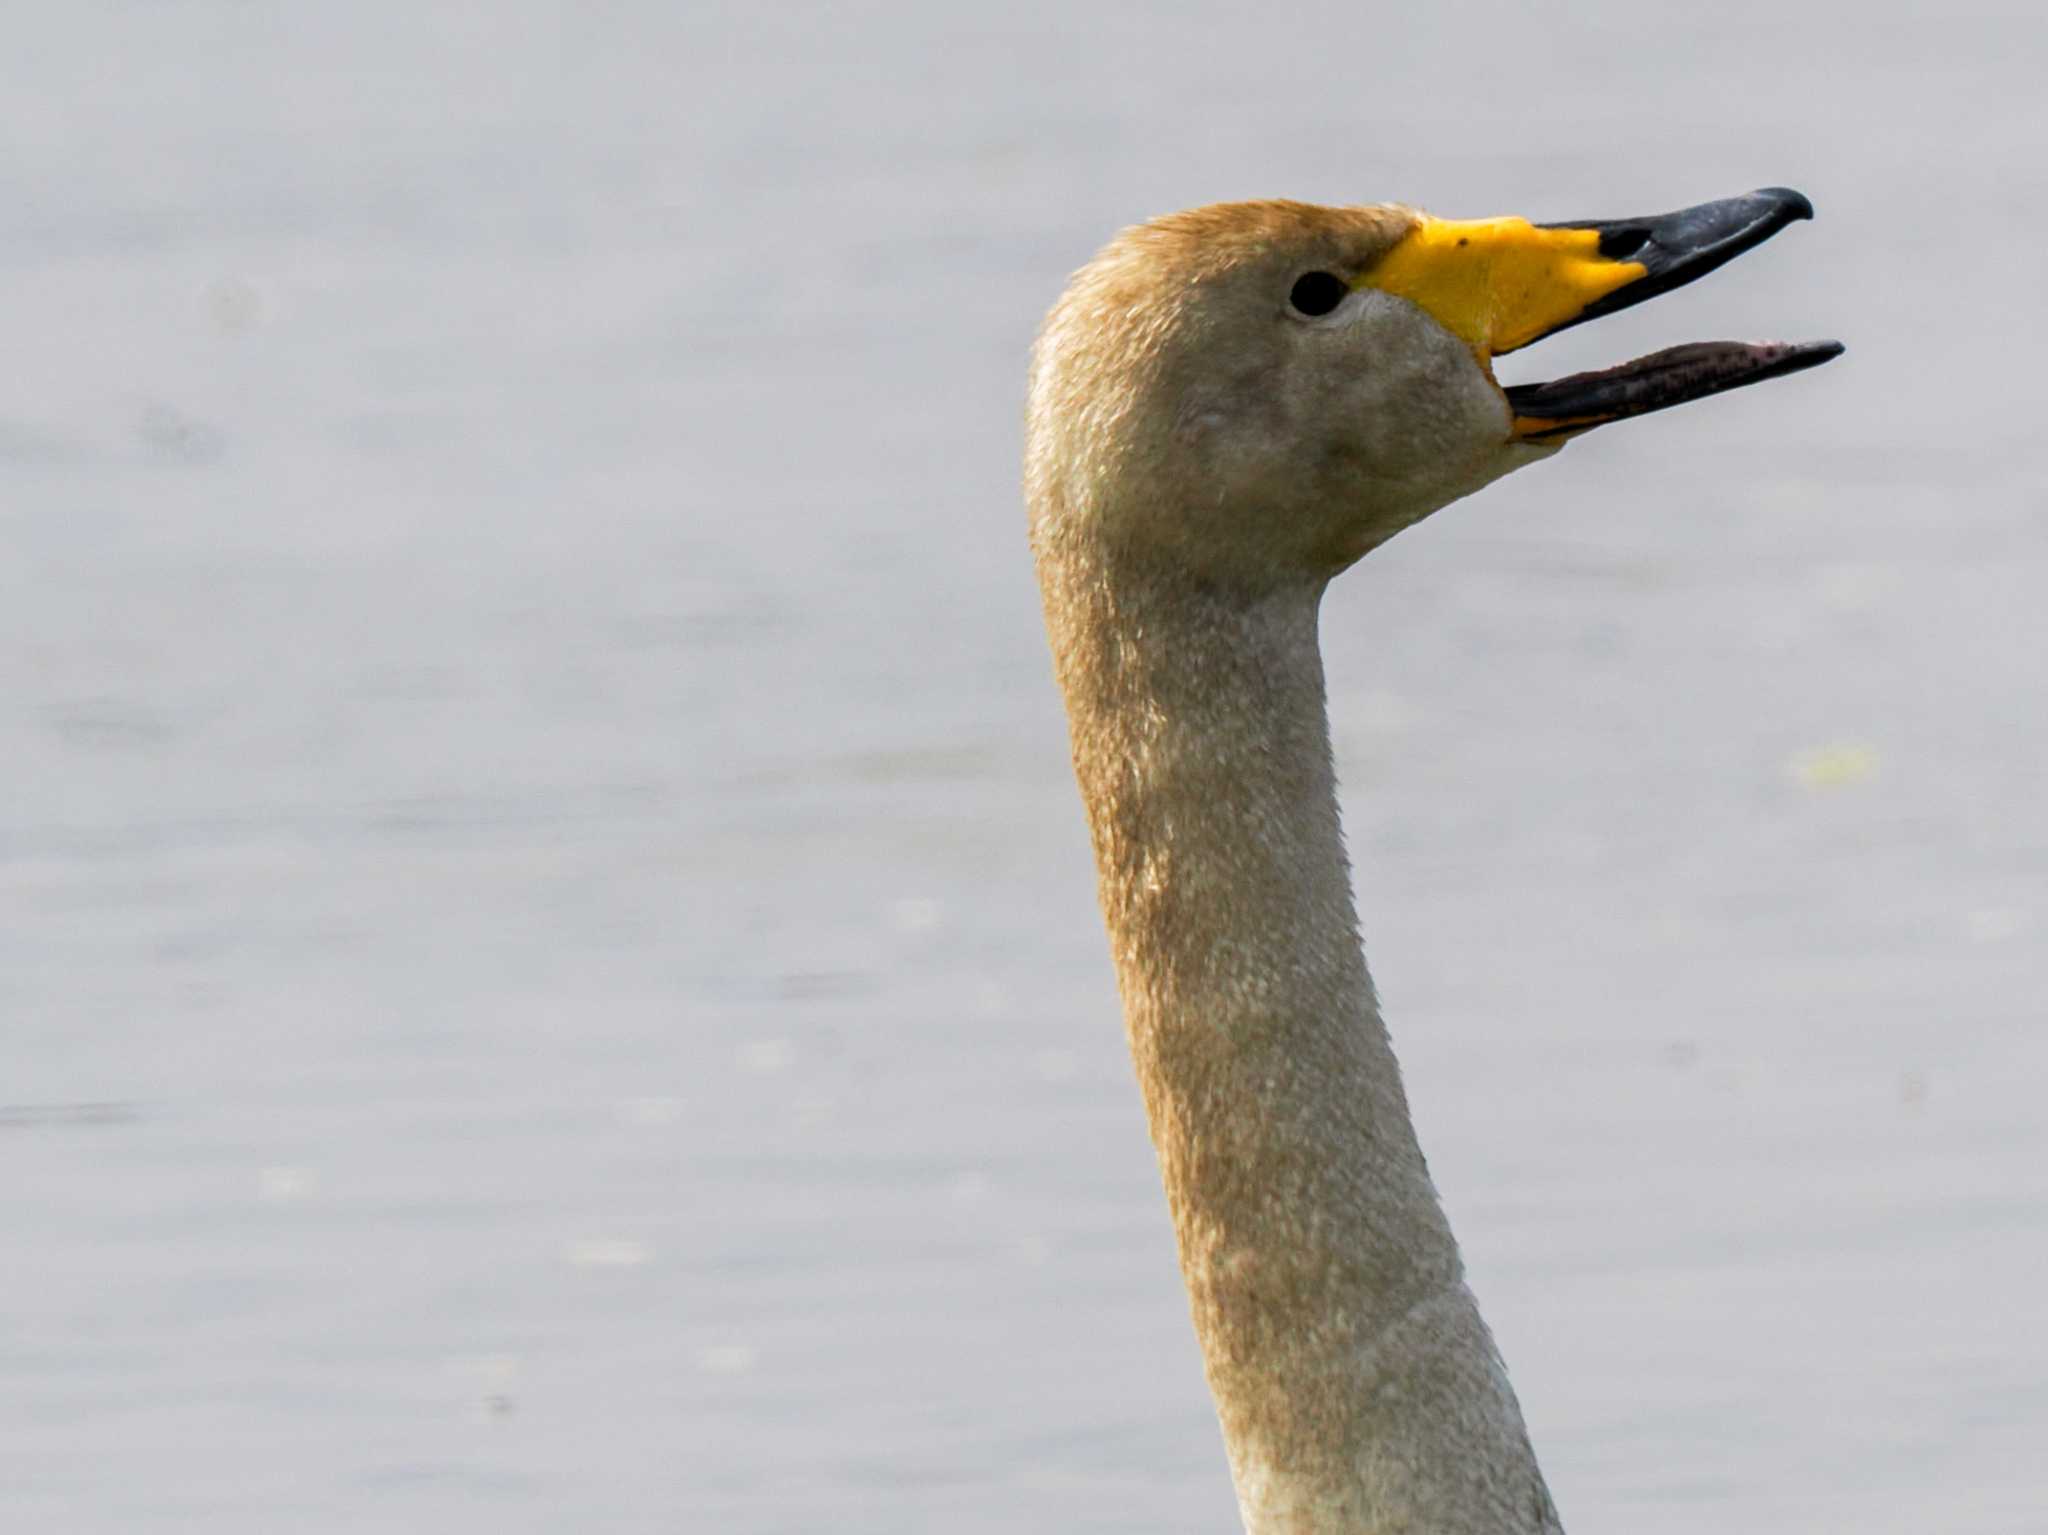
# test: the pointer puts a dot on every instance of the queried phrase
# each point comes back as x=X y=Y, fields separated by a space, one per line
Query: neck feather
x=1357 y=1387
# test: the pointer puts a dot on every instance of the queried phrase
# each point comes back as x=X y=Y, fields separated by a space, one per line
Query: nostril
x=1623 y=243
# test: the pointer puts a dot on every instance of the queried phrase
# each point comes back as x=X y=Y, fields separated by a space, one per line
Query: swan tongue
x=1567 y=406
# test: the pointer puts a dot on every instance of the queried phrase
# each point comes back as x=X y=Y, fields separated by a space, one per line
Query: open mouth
x=1501 y=284
x=1674 y=249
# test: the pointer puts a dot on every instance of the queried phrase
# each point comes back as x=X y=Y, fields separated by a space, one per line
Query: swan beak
x=1499 y=284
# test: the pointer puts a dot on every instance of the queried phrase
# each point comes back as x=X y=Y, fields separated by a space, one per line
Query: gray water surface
x=549 y=975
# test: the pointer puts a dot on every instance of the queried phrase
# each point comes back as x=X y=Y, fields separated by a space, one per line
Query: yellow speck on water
x=612 y=1253
x=1855 y=588
x=651 y=1110
x=726 y=1359
x=490 y=1381
x=282 y=1185
x=765 y=1057
x=915 y=914
x=1995 y=924
x=969 y=1188
x=1832 y=767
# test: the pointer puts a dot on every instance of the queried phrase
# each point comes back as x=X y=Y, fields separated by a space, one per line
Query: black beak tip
x=1791 y=205
x=1678 y=248
x=1799 y=356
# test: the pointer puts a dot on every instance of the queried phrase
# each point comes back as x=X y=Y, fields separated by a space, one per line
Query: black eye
x=1318 y=292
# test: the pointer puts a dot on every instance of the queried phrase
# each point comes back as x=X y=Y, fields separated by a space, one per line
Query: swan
x=1227 y=407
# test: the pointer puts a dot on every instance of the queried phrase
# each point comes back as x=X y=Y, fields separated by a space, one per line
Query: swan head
x=1263 y=392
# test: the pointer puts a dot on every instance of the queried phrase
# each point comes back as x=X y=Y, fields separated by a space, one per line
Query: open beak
x=1499 y=284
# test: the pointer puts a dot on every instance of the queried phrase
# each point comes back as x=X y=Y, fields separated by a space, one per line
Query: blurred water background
x=548 y=962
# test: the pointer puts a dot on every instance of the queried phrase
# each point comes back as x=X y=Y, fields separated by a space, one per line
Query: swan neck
x=1356 y=1386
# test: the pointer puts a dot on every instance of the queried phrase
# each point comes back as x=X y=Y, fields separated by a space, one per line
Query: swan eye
x=1317 y=293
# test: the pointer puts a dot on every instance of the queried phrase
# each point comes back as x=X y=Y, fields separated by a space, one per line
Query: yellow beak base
x=1499 y=284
